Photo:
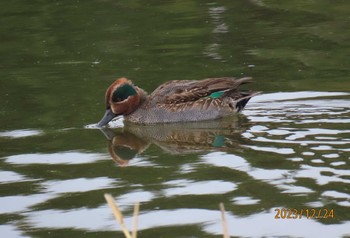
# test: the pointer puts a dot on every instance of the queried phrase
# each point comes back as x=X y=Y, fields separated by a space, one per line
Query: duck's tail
x=242 y=102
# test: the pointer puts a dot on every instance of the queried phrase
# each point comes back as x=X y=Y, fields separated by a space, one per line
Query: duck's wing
x=181 y=91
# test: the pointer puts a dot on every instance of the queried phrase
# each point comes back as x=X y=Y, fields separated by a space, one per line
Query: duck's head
x=122 y=98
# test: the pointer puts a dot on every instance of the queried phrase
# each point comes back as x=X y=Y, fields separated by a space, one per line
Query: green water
x=289 y=148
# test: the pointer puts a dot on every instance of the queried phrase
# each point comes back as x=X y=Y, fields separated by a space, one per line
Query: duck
x=176 y=101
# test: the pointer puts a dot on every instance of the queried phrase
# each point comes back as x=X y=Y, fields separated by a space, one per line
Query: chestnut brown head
x=122 y=98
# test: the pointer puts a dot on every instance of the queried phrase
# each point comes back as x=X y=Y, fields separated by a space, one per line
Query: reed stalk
x=120 y=219
x=135 y=220
x=223 y=220
x=117 y=214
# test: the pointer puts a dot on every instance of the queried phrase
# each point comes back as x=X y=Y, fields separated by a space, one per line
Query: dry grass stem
x=117 y=214
x=135 y=221
x=224 y=222
x=119 y=217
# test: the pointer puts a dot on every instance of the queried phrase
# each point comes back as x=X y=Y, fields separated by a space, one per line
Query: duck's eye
x=123 y=92
x=116 y=99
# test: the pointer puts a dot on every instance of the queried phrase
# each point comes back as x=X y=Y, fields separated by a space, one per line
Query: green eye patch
x=123 y=92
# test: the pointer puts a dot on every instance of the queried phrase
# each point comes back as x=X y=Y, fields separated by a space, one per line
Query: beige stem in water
x=117 y=214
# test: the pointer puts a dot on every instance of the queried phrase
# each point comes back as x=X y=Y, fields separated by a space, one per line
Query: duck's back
x=190 y=100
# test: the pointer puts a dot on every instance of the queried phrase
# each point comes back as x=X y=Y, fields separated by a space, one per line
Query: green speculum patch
x=215 y=95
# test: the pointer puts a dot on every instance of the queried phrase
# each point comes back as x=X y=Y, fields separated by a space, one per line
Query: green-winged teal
x=176 y=101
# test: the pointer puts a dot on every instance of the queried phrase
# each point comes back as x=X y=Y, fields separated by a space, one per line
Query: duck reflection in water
x=175 y=138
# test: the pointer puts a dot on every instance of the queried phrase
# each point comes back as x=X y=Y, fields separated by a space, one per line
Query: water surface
x=288 y=149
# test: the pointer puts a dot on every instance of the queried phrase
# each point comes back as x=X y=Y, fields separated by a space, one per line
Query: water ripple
x=77 y=185
x=55 y=158
x=21 y=133
x=187 y=187
x=289 y=152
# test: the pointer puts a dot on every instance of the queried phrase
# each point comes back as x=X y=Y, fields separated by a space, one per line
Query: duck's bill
x=107 y=117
